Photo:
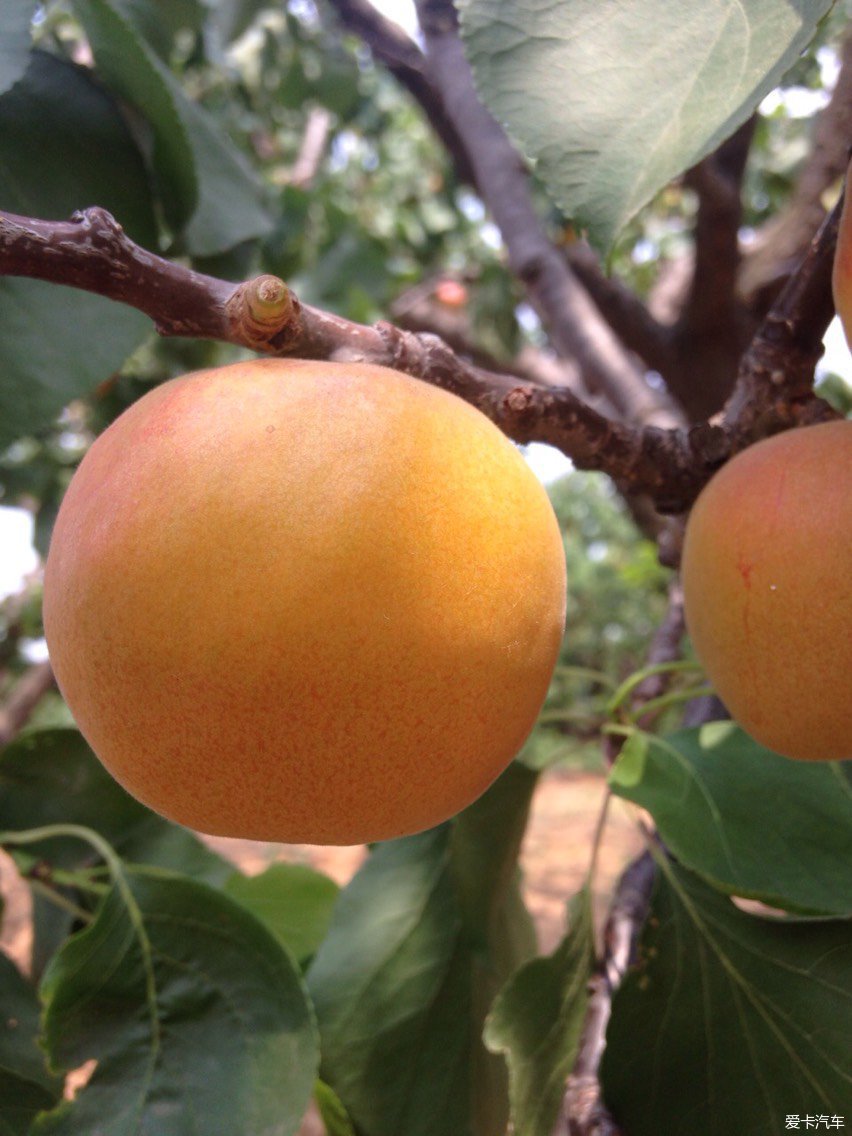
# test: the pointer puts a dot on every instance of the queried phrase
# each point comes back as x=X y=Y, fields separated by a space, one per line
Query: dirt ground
x=554 y=859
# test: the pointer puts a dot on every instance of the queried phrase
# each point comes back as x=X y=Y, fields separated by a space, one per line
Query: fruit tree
x=295 y=295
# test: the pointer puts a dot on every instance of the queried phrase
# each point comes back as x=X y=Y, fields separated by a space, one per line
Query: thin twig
x=29 y=690
x=583 y=1110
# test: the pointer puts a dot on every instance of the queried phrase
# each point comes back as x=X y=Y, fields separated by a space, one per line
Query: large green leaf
x=15 y=17
x=729 y=1022
x=57 y=344
x=208 y=191
x=294 y=901
x=404 y=979
x=133 y=72
x=63 y=146
x=52 y=777
x=197 y=1018
x=159 y=21
x=753 y=823
x=25 y=1084
x=537 y=1020
x=614 y=99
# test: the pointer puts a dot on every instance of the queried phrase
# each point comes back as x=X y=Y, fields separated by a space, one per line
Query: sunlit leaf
x=614 y=99
x=207 y=189
x=753 y=823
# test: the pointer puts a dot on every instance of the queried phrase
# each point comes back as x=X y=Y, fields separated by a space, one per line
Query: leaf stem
x=599 y=677
x=676 y=666
x=116 y=870
x=671 y=698
x=59 y=900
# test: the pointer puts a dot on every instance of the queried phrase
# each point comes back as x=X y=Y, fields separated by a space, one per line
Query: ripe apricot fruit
x=767 y=577
x=304 y=602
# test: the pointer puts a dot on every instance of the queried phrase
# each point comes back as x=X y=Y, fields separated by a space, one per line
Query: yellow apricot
x=767 y=577
x=307 y=602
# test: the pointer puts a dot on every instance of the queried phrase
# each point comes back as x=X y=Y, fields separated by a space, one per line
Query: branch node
x=259 y=310
x=520 y=400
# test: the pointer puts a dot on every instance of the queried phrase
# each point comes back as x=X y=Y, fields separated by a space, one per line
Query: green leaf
x=197 y=1018
x=26 y=1087
x=63 y=146
x=729 y=1022
x=134 y=73
x=57 y=344
x=334 y=1115
x=752 y=823
x=229 y=207
x=233 y=17
x=20 y=1102
x=159 y=21
x=208 y=191
x=613 y=100
x=52 y=777
x=406 y=974
x=15 y=18
x=294 y=901
x=537 y=1019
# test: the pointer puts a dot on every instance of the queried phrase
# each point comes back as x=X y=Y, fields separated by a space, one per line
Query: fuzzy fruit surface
x=304 y=602
x=767 y=576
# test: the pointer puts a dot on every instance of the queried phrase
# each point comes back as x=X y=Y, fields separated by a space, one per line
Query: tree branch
x=29 y=690
x=713 y=326
x=774 y=387
x=402 y=57
x=572 y=320
x=583 y=1108
x=781 y=243
x=670 y=465
x=632 y=321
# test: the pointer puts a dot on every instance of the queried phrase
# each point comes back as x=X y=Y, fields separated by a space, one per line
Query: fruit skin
x=767 y=577
x=841 y=277
x=304 y=602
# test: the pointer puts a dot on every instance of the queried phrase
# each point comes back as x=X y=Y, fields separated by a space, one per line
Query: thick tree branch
x=774 y=387
x=402 y=57
x=713 y=326
x=631 y=320
x=781 y=243
x=670 y=465
x=418 y=309
x=572 y=320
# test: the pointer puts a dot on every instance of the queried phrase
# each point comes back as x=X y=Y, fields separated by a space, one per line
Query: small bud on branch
x=92 y=252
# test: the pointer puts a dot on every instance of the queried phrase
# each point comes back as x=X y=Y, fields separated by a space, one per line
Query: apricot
x=767 y=577
x=841 y=277
x=304 y=602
